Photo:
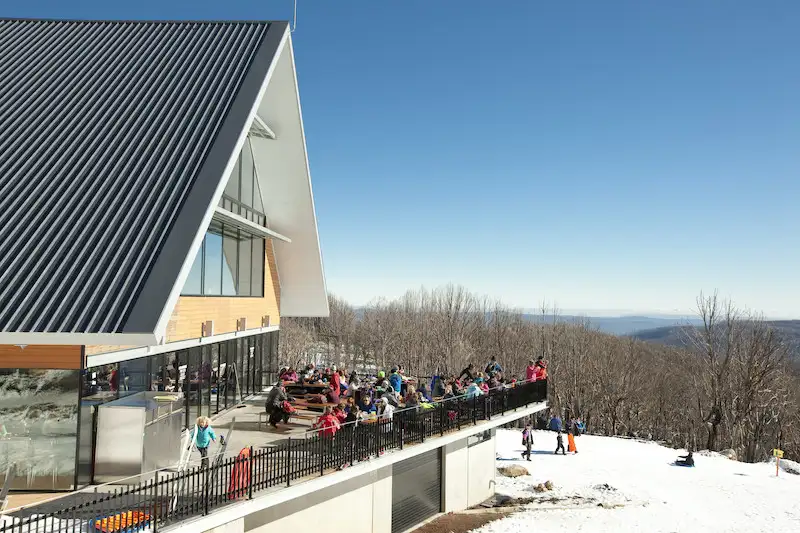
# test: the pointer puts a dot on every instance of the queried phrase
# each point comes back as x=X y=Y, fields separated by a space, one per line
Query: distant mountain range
x=676 y=335
x=619 y=325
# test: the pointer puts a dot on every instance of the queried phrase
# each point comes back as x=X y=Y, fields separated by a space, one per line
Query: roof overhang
x=153 y=294
x=285 y=180
x=229 y=217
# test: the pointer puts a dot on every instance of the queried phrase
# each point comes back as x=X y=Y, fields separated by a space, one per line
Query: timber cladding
x=191 y=311
x=61 y=357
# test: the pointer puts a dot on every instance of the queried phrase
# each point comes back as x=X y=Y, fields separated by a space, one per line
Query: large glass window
x=257 y=277
x=245 y=265
x=212 y=263
x=230 y=263
x=242 y=193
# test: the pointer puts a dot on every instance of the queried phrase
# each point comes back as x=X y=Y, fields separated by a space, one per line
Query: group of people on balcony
x=350 y=397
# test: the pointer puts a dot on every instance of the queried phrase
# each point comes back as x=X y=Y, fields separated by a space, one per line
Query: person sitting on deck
x=353 y=381
x=289 y=375
x=392 y=397
x=353 y=416
x=339 y=413
x=386 y=410
x=474 y=390
x=685 y=460
x=275 y=405
x=411 y=399
x=332 y=394
x=448 y=392
x=328 y=423
x=425 y=392
x=366 y=405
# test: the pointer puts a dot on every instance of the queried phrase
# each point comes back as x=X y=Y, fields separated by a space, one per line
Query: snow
x=640 y=490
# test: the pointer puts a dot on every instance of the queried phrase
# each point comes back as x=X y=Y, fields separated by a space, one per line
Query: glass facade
x=242 y=193
x=39 y=427
x=229 y=263
x=231 y=260
x=211 y=379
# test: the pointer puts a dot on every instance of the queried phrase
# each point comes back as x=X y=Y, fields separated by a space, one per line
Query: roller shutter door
x=416 y=490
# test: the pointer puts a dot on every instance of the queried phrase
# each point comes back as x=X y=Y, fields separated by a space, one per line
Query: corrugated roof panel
x=104 y=128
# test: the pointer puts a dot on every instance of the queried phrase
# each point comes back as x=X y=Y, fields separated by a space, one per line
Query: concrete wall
x=237 y=526
x=481 y=469
x=363 y=503
x=468 y=474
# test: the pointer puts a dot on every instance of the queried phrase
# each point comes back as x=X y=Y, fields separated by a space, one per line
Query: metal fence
x=175 y=496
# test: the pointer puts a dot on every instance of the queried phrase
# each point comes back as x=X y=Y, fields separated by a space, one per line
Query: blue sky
x=612 y=157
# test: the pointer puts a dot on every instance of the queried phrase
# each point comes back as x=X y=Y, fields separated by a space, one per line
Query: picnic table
x=303 y=385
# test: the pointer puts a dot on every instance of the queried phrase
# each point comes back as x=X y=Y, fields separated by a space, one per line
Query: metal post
x=323 y=447
x=156 y=507
x=378 y=437
x=474 y=410
x=288 y=462
x=207 y=477
x=250 y=477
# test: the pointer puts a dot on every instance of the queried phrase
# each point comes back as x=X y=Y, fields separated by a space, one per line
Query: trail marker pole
x=778 y=454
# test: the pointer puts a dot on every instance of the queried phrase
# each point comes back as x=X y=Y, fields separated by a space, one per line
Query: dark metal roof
x=113 y=139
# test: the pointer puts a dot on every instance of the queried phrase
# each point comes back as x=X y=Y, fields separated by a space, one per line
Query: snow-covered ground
x=640 y=490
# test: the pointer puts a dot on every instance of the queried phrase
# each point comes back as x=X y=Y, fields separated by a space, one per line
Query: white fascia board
x=223 y=215
x=282 y=495
x=285 y=181
x=147 y=351
x=114 y=339
x=166 y=313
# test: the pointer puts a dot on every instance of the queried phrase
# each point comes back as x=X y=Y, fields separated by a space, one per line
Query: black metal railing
x=172 y=497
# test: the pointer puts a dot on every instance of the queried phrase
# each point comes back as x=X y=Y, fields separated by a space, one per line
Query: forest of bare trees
x=731 y=388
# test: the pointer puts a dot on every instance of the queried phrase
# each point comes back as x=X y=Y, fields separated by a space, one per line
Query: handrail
x=199 y=490
x=436 y=403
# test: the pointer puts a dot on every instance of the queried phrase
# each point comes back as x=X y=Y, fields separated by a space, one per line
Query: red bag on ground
x=240 y=475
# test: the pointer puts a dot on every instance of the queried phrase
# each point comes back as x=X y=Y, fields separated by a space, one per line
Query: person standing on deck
x=205 y=436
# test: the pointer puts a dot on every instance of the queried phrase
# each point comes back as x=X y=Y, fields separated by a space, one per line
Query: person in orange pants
x=571 y=441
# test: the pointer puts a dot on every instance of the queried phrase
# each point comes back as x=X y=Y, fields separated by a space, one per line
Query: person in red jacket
x=339 y=413
x=336 y=382
x=541 y=368
x=530 y=372
x=328 y=423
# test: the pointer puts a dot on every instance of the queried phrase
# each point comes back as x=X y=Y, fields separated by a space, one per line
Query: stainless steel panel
x=120 y=442
x=136 y=435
